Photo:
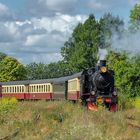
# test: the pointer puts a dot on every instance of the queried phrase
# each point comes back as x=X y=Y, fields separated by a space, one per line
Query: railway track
x=132 y=122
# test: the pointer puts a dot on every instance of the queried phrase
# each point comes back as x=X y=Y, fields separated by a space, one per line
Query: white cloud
x=3 y=8
x=59 y=5
x=5 y=13
x=41 y=8
x=98 y=5
x=59 y=22
x=133 y=2
x=41 y=37
x=33 y=39
x=104 y=6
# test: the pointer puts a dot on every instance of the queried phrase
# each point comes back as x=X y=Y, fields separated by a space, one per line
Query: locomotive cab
x=86 y=84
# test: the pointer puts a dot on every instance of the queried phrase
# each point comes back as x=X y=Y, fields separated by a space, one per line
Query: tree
x=2 y=56
x=135 y=18
x=135 y=13
x=81 y=50
x=127 y=75
x=58 y=69
x=11 y=70
x=135 y=78
x=36 y=71
x=46 y=71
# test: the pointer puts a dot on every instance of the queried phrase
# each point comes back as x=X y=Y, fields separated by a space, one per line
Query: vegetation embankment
x=66 y=121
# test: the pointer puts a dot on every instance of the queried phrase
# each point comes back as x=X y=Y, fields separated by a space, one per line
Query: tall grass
x=66 y=121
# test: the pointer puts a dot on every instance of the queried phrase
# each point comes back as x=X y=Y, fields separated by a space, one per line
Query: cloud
x=5 y=13
x=59 y=22
x=60 y=5
x=3 y=8
x=39 y=57
x=37 y=38
x=101 y=7
x=133 y=2
x=41 y=8
x=98 y=5
x=8 y=32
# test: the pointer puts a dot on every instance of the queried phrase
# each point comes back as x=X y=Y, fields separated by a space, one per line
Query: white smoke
x=102 y=54
x=129 y=42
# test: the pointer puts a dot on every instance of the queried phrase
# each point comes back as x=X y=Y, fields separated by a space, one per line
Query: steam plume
x=129 y=42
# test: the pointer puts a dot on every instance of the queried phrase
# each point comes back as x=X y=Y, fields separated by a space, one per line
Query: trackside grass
x=41 y=120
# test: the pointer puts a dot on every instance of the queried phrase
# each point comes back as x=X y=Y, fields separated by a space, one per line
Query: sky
x=35 y=30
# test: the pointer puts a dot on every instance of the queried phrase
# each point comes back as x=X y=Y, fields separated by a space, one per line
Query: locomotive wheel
x=91 y=106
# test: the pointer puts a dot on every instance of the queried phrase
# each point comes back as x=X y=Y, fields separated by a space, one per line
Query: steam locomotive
x=98 y=87
x=94 y=87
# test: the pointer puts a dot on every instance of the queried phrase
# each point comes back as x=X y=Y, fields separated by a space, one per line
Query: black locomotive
x=98 y=87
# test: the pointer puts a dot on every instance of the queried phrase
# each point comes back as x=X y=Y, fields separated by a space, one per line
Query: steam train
x=93 y=87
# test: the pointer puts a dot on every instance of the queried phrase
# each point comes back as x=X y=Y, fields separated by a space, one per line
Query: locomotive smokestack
x=102 y=63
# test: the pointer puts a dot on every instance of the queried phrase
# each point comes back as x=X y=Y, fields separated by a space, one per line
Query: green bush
x=7 y=104
x=125 y=102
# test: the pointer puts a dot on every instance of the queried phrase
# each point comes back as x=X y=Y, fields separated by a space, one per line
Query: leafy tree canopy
x=36 y=71
x=135 y=18
x=127 y=75
x=2 y=56
x=81 y=50
x=135 y=13
x=11 y=70
x=44 y=71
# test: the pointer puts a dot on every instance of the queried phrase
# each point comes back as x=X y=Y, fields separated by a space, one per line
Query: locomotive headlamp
x=103 y=69
x=93 y=93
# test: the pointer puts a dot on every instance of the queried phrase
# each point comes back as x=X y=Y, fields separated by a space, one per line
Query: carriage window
x=41 y=88
x=34 y=89
x=6 y=89
x=30 y=89
x=22 y=89
x=48 y=87
x=14 y=89
x=2 y=89
x=11 y=89
x=17 y=89
x=44 y=88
